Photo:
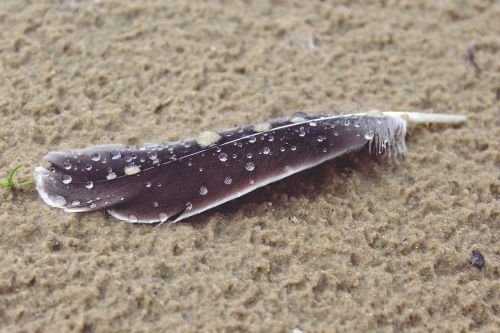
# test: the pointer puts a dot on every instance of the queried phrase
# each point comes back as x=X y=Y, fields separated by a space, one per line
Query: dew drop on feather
x=89 y=185
x=66 y=179
x=132 y=169
x=249 y=166
x=111 y=175
x=132 y=218
x=148 y=184
x=88 y=166
x=266 y=150
x=115 y=154
x=95 y=157
x=203 y=190
x=223 y=157
x=228 y=180
x=369 y=135
x=67 y=165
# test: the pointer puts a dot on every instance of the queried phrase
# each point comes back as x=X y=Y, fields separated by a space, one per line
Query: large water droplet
x=252 y=139
x=132 y=218
x=249 y=166
x=67 y=165
x=89 y=185
x=266 y=150
x=75 y=203
x=66 y=179
x=203 y=190
x=88 y=166
x=249 y=155
x=111 y=175
x=312 y=123
x=293 y=148
x=223 y=157
x=115 y=154
x=228 y=180
x=153 y=155
x=95 y=157
x=58 y=200
x=320 y=139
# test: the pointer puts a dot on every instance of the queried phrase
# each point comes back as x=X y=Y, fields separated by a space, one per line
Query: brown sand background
x=355 y=244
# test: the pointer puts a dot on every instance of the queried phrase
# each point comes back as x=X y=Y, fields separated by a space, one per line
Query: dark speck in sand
x=476 y=259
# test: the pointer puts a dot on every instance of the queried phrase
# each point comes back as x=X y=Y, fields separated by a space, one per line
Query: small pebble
x=476 y=259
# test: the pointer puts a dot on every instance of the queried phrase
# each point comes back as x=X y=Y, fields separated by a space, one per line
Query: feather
x=175 y=180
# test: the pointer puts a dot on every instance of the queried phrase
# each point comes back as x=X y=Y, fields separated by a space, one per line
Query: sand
x=357 y=244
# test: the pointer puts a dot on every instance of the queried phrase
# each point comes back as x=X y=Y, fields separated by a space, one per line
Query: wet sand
x=356 y=244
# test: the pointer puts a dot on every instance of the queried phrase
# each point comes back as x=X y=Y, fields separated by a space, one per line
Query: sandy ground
x=355 y=244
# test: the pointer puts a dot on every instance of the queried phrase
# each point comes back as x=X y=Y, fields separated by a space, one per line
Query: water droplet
x=356 y=124
x=75 y=203
x=153 y=155
x=234 y=155
x=325 y=150
x=251 y=181
x=132 y=218
x=67 y=165
x=320 y=139
x=148 y=184
x=89 y=185
x=111 y=175
x=93 y=205
x=249 y=166
x=115 y=154
x=189 y=205
x=203 y=190
x=302 y=132
x=58 y=200
x=128 y=159
x=142 y=160
x=163 y=217
x=155 y=204
x=95 y=157
x=189 y=163
x=336 y=133
x=249 y=155
x=88 y=166
x=252 y=139
x=134 y=156
x=293 y=148
x=66 y=179
x=132 y=169
x=346 y=122
x=223 y=157
x=266 y=150
x=270 y=138
x=228 y=180
x=282 y=149
x=369 y=135
x=312 y=123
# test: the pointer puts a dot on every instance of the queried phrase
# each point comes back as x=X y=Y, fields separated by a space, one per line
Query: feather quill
x=175 y=180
